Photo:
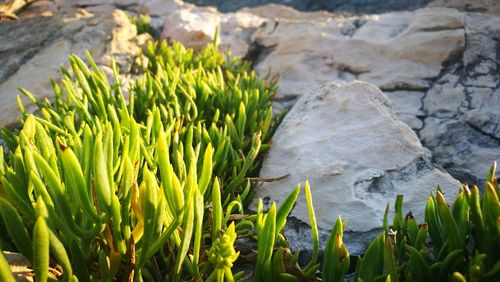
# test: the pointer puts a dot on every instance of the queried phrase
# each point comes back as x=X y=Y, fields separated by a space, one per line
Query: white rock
x=407 y=106
x=195 y=27
x=345 y=140
x=393 y=51
x=105 y=36
x=161 y=8
x=435 y=64
x=445 y=100
x=274 y=11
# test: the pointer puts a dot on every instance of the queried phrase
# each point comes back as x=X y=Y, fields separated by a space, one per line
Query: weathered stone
x=19 y=267
x=444 y=100
x=462 y=127
x=397 y=51
x=83 y=2
x=44 y=8
x=436 y=65
x=274 y=11
x=161 y=8
x=407 y=106
x=35 y=57
x=195 y=27
x=9 y=8
x=482 y=6
x=457 y=144
x=350 y=6
x=345 y=140
x=100 y=9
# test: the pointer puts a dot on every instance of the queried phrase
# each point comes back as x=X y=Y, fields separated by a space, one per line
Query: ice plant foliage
x=150 y=184
x=455 y=243
x=122 y=186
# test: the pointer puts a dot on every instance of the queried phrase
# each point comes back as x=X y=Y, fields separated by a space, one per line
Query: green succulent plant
x=152 y=186
x=455 y=243
x=124 y=186
x=142 y=23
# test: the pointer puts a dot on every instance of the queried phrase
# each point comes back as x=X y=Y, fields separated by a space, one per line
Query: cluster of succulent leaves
x=151 y=185
x=140 y=185
x=142 y=23
x=457 y=243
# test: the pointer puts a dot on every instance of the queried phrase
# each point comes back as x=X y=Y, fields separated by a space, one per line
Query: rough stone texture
x=481 y=6
x=462 y=105
x=439 y=67
x=158 y=10
x=351 y=6
x=357 y=157
x=161 y=8
x=33 y=49
x=154 y=8
x=39 y=8
x=19 y=267
x=195 y=27
x=398 y=51
x=18 y=46
x=275 y=11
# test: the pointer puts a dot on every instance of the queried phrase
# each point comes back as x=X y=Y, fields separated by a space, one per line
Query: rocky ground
x=349 y=6
x=381 y=103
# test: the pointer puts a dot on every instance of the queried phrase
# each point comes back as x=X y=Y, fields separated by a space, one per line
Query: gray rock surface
x=34 y=48
x=439 y=67
x=491 y=7
x=195 y=27
x=350 y=6
x=357 y=157
x=19 y=267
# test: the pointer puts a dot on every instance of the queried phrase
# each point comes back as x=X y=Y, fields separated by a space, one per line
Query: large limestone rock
x=34 y=48
x=357 y=157
x=393 y=51
x=438 y=66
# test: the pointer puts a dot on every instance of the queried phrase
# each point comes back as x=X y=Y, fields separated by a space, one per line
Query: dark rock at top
x=349 y=6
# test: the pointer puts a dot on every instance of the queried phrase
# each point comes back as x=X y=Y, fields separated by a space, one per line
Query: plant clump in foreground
x=98 y=187
x=135 y=188
x=455 y=243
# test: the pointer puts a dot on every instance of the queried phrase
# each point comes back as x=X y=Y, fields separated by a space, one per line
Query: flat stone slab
x=34 y=48
x=357 y=156
x=439 y=66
